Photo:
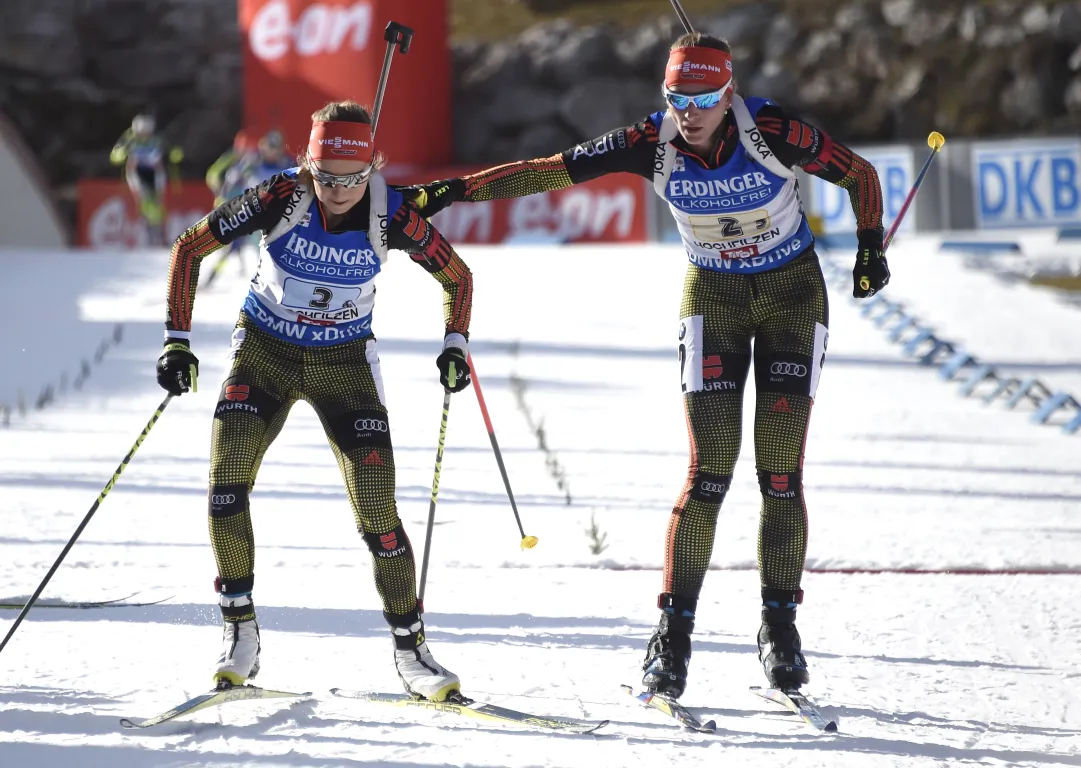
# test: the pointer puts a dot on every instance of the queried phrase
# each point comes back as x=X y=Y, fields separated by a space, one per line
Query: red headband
x=697 y=65
x=340 y=140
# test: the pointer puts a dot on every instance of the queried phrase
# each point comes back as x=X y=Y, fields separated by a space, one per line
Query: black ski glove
x=454 y=373
x=178 y=368
x=431 y=198
x=871 y=273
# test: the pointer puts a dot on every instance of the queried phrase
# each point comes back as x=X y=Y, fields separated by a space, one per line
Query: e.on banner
x=300 y=54
x=611 y=208
x=108 y=217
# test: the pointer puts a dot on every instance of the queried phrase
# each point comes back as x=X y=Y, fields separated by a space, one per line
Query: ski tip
x=710 y=725
x=831 y=727
x=125 y=723
x=598 y=726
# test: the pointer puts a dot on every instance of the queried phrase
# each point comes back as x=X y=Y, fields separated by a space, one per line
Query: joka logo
x=236 y=392
x=389 y=540
x=779 y=483
x=372 y=459
x=781 y=406
x=711 y=367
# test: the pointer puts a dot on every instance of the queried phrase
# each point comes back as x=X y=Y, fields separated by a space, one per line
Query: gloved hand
x=871 y=273
x=178 y=368
x=454 y=373
x=431 y=198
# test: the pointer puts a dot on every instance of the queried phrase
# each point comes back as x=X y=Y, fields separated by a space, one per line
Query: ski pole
x=397 y=36
x=528 y=542
x=435 y=494
x=90 y=514
x=682 y=16
x=935 y=142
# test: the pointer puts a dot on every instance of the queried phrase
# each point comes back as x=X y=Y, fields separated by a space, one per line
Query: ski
x=458 y=704
x=213 y=698
x=799 y=704
x=114 y=603
x=673 y=709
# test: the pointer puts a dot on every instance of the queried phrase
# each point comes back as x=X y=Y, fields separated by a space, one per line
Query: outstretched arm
x=625 y=150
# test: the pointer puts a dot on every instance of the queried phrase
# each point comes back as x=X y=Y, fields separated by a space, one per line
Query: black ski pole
x=435 y=494
x=682 y=16
x=397 y=36
x=90 y=514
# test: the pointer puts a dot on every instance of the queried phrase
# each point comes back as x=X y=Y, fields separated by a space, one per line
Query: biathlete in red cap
x=724 y=166
x=305 y=333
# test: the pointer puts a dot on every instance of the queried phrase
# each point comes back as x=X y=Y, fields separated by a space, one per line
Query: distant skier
x=724 y=166
x=244 y=168
x=142 y=154
x=305 y=333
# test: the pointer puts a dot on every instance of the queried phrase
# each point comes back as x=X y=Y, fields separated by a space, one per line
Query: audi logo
x=225 y=498
x=713 y=487
x=370 y=425
x=788 y=369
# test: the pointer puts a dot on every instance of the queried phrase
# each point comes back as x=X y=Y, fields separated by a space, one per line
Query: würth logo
x=711 y=367
x=237 y=392
x=779 y=483
x=389 y=540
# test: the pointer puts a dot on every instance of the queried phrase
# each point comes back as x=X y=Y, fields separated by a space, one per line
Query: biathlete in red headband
x=305 y=333
x=724 y=166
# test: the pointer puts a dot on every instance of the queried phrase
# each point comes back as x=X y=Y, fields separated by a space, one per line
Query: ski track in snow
x=901 y=474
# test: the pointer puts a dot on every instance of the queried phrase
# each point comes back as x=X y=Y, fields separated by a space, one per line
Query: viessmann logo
x=340 y=146
x=319 y=29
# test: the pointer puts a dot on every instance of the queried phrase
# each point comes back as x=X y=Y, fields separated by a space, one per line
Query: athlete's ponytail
x=347 y=111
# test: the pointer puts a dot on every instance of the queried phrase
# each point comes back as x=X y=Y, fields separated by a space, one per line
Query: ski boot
x=669 y=650
x=420 y=673
x=779 y=647
x=239 y=660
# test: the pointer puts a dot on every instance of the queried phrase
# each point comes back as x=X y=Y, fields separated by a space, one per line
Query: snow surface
x=902 y=475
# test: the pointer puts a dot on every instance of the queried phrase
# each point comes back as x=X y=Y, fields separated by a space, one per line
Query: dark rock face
x=864 y=71
x=74 y=72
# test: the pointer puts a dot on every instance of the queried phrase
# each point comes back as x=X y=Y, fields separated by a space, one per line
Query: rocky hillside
x=73 y=72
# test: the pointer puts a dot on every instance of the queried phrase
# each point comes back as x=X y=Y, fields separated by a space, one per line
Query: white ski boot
x=421 y=674
x=240 y=645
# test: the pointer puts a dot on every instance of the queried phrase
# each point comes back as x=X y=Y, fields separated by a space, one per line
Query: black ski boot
x=778 y=640
x=669 y=650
